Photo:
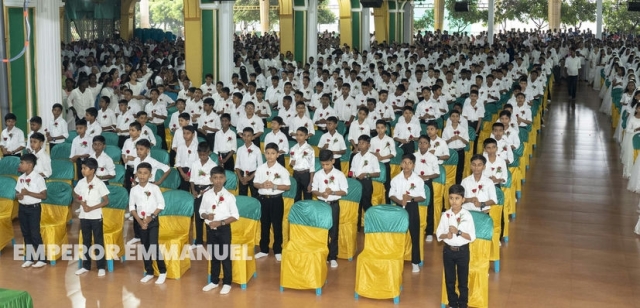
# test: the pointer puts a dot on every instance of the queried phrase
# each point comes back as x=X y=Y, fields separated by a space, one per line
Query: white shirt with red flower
x=278 y=138
x=426 y=164
x=345 y=107
x=145 y=199
x=484 y=190
x=462 y=131
x=303 y=157
x=58 y=127
x=255 y=122
x=323 y=114
x=334 y=180
x=364 y=164
x=222 y=205
x=92 y=193
x=106 y=118
x=94 y=129
x=187 y=154
x=81 y=145
x=12 y=140
x=129 y=148
x=385 y=146
x=32 y=182
x=105 y=164
x=335 y=142
x=463 y=221
x=358 y=129
x=441 y=148
x=404 y=130
x=225 y=142
x=298 y=122
x=248 y=158
x=498 y=168
x=277 y=174
x=413 y=186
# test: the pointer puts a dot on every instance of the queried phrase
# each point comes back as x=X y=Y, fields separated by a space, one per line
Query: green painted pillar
x=300 y=8
x=393 y=17
x=356 y=24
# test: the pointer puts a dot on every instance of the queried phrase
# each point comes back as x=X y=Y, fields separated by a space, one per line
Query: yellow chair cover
x=496 y=215
x=438 y=195
x=348 y=229
x=479 y=251
x=516 y=181
x=6 y=226
x=380 y=265
x=53 y=221
x=168 y=137
x=304 y=256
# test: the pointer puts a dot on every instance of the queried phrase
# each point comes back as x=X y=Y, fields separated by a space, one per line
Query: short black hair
x=248 y=130
x=144 y=143
x=99 y=138
x=225 y=116
x=81 y=122
x=133 y=124
x=325 y=155
x=278 y=120
x=203 y=147
x=37 y=136
x=189 y=128
x=365 y=138
x=209 y=101
x=92 y=111
x=217 y=170
x=303 y=129
x=144 y=166
x=409 y=156
x=489 y=141
x=497 y=124
x=271 y=145
x=29 y=158
x=10 y=116
x=332 y=119
x=36 y=119
x=478 y=157
x=91 y=163
x=456 y=189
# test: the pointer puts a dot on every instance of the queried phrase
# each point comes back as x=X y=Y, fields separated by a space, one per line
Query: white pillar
x=312 y=30
x=225 y=32
x=365 y=35
x=144 y=14
x=599 y=19
x=48 y=57
x=408 y=23
x=490 y=21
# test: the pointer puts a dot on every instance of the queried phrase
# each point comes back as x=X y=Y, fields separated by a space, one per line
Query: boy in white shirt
x=12 y=142
x=263 y=110
x=496 y=168
x=359 y=127
x=186 y=154
x=249 y=119
x=301 y=120
x=123 y=121
x=364 y=166
x=271 y=180
x=209 y=122
x=330 y=185
x=218 y=211
x=142 y=117
x=173 y=123
x=303 y=163
x=278 y=137
x=106 y=169
x=457 y=138
x=35 y=125
x=93 y=126
x=427 y=169
x=81 y=146
x=407 y=131
x=503 y=145
x=249 y=158
x=384 y=148
x=480 y=192
x=333 y=141
x=157 y=113
x=43 y=167
x=91 y=195
x=106 y=116
x=129 y=153
x=57 y=130
x=323 y=113
x=145 y=203
x=30 y=191
x=407 y=190
x=200 y=182
x=225 y=144
x=522 y=111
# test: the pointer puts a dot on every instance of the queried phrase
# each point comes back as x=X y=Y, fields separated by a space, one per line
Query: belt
x=333 y=202
x=457 y=248
x=301 y=171
x=271 y=196
x=30 y=205
x=200 y=186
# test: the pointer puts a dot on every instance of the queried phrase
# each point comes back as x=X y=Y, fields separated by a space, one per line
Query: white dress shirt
x=303 y=157
x=277 y=174
x=358 y=129
x=160 y=109
x=248 y=158
x=498 y=168
x=12 y=140
x=334 y=180
x=187 y=154
x=129 y=148
x=278 y=138
x=441 y=148
x=93 y=129
x=426 y=164
x=211 y=120
x=323 y=114
x=484 y=190
x=222 y=205
x=81 y=145
x=32 y=182
x=200 y=174
x=155 y=165
x=463 y=221
x=404 y=130
x=384 y=147
x=450 y=132
x=255 y=122
x=225 y=142
x=58 y=127
x=106 y=118
x=122 y=122
x=43 y=165
x=367 y=163
x=105 y=164
x=413 y=186
x=335 y=141
x=345 y=107
x=297 y=122
x=92 y=193
x=146 y=199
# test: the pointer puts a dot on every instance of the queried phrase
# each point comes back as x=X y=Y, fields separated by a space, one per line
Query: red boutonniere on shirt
x=328 y=140
x=306 y=125
x=474 y=190
x=84 y=144
x=366 y=163
x=377 y=150
x=504 y=148
x=348 y=105
x=304 y=154
x=412 y=187
x=437 y=144
x=128 y=151
x=331 y=179
x=456 y=133
x=280 y=141
x=492 y=168
x=5 y=138
x=143 y=214
x=79 y=198
x=508 y=133
x=174 y=126
x=28 y=181
x=201 y=173
x=148 y=193
x=229 y=139
x=291 y=153
x=101 y=169
x=422 y=173
x=522 y=112
x=104 y=116
x=189 y=151
x=249 y=151
x=11 y=135
x=90 y=188
x=146 y=132
x=125 y=121
x=55 y=124
x=475 y=108
x=276 y=176
x=424 y=161
x=499 y=170
x=480 y=187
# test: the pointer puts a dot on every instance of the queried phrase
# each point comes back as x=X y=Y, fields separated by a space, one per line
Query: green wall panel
x=17 y=69
x=300 y=36
x=208 y=52
x=355 y=29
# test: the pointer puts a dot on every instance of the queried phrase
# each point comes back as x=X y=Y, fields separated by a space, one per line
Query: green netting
x=453 y=158
x=177 y=203
x=386 y=218
x=7 y=188
x=311 y=213
x=483 y=224
x=427 y=193
x=355 y=190
x=118 y=197
x=9 y=165
x=291 y=193
x=58 y=193
x=248 y=207
x=62 y=169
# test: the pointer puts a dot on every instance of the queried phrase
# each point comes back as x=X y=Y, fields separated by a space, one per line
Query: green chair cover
x=7 y=188
x=72 y=135
x=61 y=151
x=266 y=131
x=110 y=138
x=386 y=218
x=214 y=157
x=311 y=213
x=177 y=203
x=483 y=224
x=427 y=194
x=442 y=179
x=158 y=144
x=9 y=165
x=453 y=158
x=248 y=207
x=160 y=155
x=315 y=139
x=114 y=152
x=636 y=142
x=500 y=196
x=153 y=127
x=355 y=190
x=172 y=181
x=62 y=169
x=119 y=174
x=118 y=198
x=291 y=193
x=58 y=193
x=232 y=180
x=396 y=160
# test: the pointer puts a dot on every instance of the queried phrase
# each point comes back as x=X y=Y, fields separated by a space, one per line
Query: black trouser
x=338 y=164
x=387 y=183
x=51 y=145
x=29 y=216
x=285 y=130
x=321 y=130
x=79 y=168
x=128 y=178
x=211 y=139
x=414 y=230
x=430 y=210
x=199 y=222
x=121 y=140
x=272 y=211
x=365 y=199
x=408 y=148
x=456 y=263
x=230 y=163
x=185 y=184
x=219 y=238
x=256 y=142
x=172 y=157
x=280 y=160
x=161 y=133
x=92 y=229
x=303 y=178
x=333 y=232
x=572 y=84
x=148 y=238
x=473 y=125
x=243 y=190
x=461 y=163
x=136 y=229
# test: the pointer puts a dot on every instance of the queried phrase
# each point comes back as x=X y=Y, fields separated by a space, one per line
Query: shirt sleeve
x=492 y=193
x=233 y=208
x=469 y=228
x=442 y=227
x=158 y=197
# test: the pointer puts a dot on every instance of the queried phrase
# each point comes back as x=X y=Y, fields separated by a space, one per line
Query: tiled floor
x=572 y=244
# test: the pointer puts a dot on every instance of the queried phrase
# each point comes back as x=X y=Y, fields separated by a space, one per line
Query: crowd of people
x=422 y=101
